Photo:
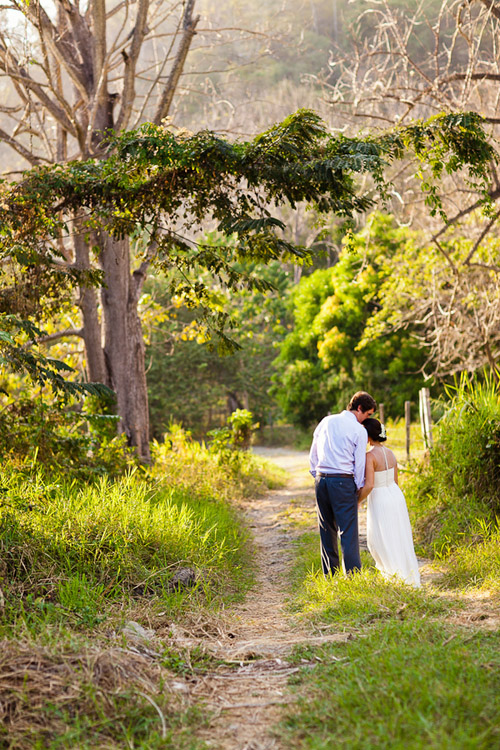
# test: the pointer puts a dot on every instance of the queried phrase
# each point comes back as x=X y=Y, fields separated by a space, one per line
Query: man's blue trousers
x=337 y=506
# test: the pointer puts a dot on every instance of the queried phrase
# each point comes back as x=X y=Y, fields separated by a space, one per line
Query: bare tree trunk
x=124 y=344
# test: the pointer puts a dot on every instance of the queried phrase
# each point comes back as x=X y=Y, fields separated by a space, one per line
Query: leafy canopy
x=163 y=189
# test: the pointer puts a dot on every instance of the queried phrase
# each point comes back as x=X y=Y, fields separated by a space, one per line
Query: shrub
x=455 y=490
x=63 y=439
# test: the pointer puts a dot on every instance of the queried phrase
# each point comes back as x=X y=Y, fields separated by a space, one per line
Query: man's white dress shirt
x=339 y=447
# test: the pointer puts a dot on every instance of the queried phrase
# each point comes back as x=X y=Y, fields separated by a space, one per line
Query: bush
x=454 y=494
x=62 y=439
x=215 y=470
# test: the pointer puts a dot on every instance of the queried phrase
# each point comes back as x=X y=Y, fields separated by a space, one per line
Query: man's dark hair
x=363 y=399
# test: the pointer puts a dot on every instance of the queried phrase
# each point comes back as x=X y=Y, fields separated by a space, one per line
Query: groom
x=337 y=459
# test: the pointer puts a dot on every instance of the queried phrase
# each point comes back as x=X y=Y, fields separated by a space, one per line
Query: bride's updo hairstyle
x=375 y=430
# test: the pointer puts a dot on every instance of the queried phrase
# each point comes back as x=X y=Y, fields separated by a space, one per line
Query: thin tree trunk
x=124 y=345
x=92 y=331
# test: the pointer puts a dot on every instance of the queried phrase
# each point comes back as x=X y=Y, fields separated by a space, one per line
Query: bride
x=388 y=526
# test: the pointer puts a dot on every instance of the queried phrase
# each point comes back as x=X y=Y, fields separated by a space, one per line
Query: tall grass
x=69 y=549
x=454 y=493
x=79 y=558
x=114 y=536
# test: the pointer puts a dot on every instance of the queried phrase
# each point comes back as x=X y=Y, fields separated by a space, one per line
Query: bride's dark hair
x=375 y=430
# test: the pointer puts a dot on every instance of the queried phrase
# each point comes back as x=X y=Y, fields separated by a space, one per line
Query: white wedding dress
x=389 y=535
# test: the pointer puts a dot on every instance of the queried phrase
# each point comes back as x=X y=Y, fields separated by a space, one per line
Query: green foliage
x=225 y=472
x=405 y=685
x=58 y=439
x=18 y=353
x=195 y=386
x=454 y=493
x=236 y=434
x=456 y=488
x=437 y=294
x=325 y=358
x=162 y=184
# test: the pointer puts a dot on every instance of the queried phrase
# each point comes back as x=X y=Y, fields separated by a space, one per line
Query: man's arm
x=360 y=459
x=313 y=453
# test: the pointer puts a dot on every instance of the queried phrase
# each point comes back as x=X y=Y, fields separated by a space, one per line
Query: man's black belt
x=330 y=476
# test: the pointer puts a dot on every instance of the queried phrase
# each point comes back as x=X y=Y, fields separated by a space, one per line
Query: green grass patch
x=355 y=600
x=476 y=564
x=406 y=685
x=80 y=546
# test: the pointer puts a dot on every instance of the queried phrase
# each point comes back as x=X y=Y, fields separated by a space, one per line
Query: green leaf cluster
x=323 y=360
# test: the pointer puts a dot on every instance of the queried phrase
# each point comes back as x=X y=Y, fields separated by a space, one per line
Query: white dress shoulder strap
x=385 y=458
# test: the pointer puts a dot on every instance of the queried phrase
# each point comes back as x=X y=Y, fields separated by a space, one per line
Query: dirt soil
x=246 y=695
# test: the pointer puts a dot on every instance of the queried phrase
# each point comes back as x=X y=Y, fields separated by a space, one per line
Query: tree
x=77 y=72
x=455 y=316
x=444 y=57
x=159 y=189
x=328 y=356
x=202 y=388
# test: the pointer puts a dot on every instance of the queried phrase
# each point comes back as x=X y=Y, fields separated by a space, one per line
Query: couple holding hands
x=345 y=474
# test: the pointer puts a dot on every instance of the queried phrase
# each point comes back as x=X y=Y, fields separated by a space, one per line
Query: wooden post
x=381 y=413
x=421 y=415
x=425 y=416
x=407 y=425
x=428 y=418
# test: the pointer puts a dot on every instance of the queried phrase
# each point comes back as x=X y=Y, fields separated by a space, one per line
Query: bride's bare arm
x=369 y=478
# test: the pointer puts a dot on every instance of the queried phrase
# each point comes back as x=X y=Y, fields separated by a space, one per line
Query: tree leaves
x=167 y=189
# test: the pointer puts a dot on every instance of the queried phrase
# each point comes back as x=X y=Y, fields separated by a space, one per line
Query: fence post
x=381 y=413
x=428 y=418
x=425 y=416
x=407 y=425
x=421 y=415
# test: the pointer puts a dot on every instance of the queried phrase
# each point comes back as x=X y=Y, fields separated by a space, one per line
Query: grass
x=456 y=489
x=79 y=560
x=405 y=680
x=396 y=439
x=476 y=565
x=82 y=546
x=404 y=685
x=92 y=697
x=358 y=599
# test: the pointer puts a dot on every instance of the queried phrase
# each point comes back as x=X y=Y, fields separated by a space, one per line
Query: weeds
x=458 y=487
x=354 y=600
x=114 y=698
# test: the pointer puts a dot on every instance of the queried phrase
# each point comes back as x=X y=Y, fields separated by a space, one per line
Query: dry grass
x=41 y=692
